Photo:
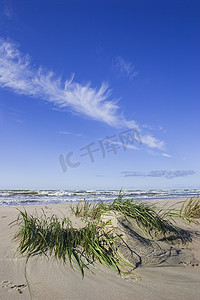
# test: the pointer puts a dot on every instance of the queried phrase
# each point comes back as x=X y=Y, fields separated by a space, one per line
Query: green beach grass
x=190 y=210
x=98 y=240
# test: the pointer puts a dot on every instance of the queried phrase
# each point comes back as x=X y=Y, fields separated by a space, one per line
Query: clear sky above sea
x=99 y=94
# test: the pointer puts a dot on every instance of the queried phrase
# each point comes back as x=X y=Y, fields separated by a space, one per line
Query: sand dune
x=164 y=270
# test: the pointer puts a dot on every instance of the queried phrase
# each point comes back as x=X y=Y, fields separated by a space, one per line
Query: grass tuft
x=81 y=247
x=98 y=240
x=148 y=218
x=92 y=211
x=190 y=210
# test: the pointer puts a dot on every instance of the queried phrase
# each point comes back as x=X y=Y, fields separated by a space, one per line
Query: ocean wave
x=23 y=197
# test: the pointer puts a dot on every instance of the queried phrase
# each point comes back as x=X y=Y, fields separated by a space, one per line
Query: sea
x=27 y=197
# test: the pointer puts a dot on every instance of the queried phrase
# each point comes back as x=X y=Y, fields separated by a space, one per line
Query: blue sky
x=117 y=81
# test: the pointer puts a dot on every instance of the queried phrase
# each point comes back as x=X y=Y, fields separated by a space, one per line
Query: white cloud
x=169 y=174
x=125 y=146
x=152 y=142
x=166 y=155
x=125 y=68
x=17 y=73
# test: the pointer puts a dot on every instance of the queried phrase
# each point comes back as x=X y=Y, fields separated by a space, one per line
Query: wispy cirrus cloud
x=125 y=68
x=152 y=142
x=18 y=74
x=169 y=174
x=166 y=155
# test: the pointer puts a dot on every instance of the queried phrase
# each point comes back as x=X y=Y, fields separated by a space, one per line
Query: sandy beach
x=173 y=273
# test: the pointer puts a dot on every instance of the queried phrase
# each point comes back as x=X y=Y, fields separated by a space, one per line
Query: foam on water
x=25 y=197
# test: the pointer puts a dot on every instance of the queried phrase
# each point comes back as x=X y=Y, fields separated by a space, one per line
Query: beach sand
x=173 y=273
